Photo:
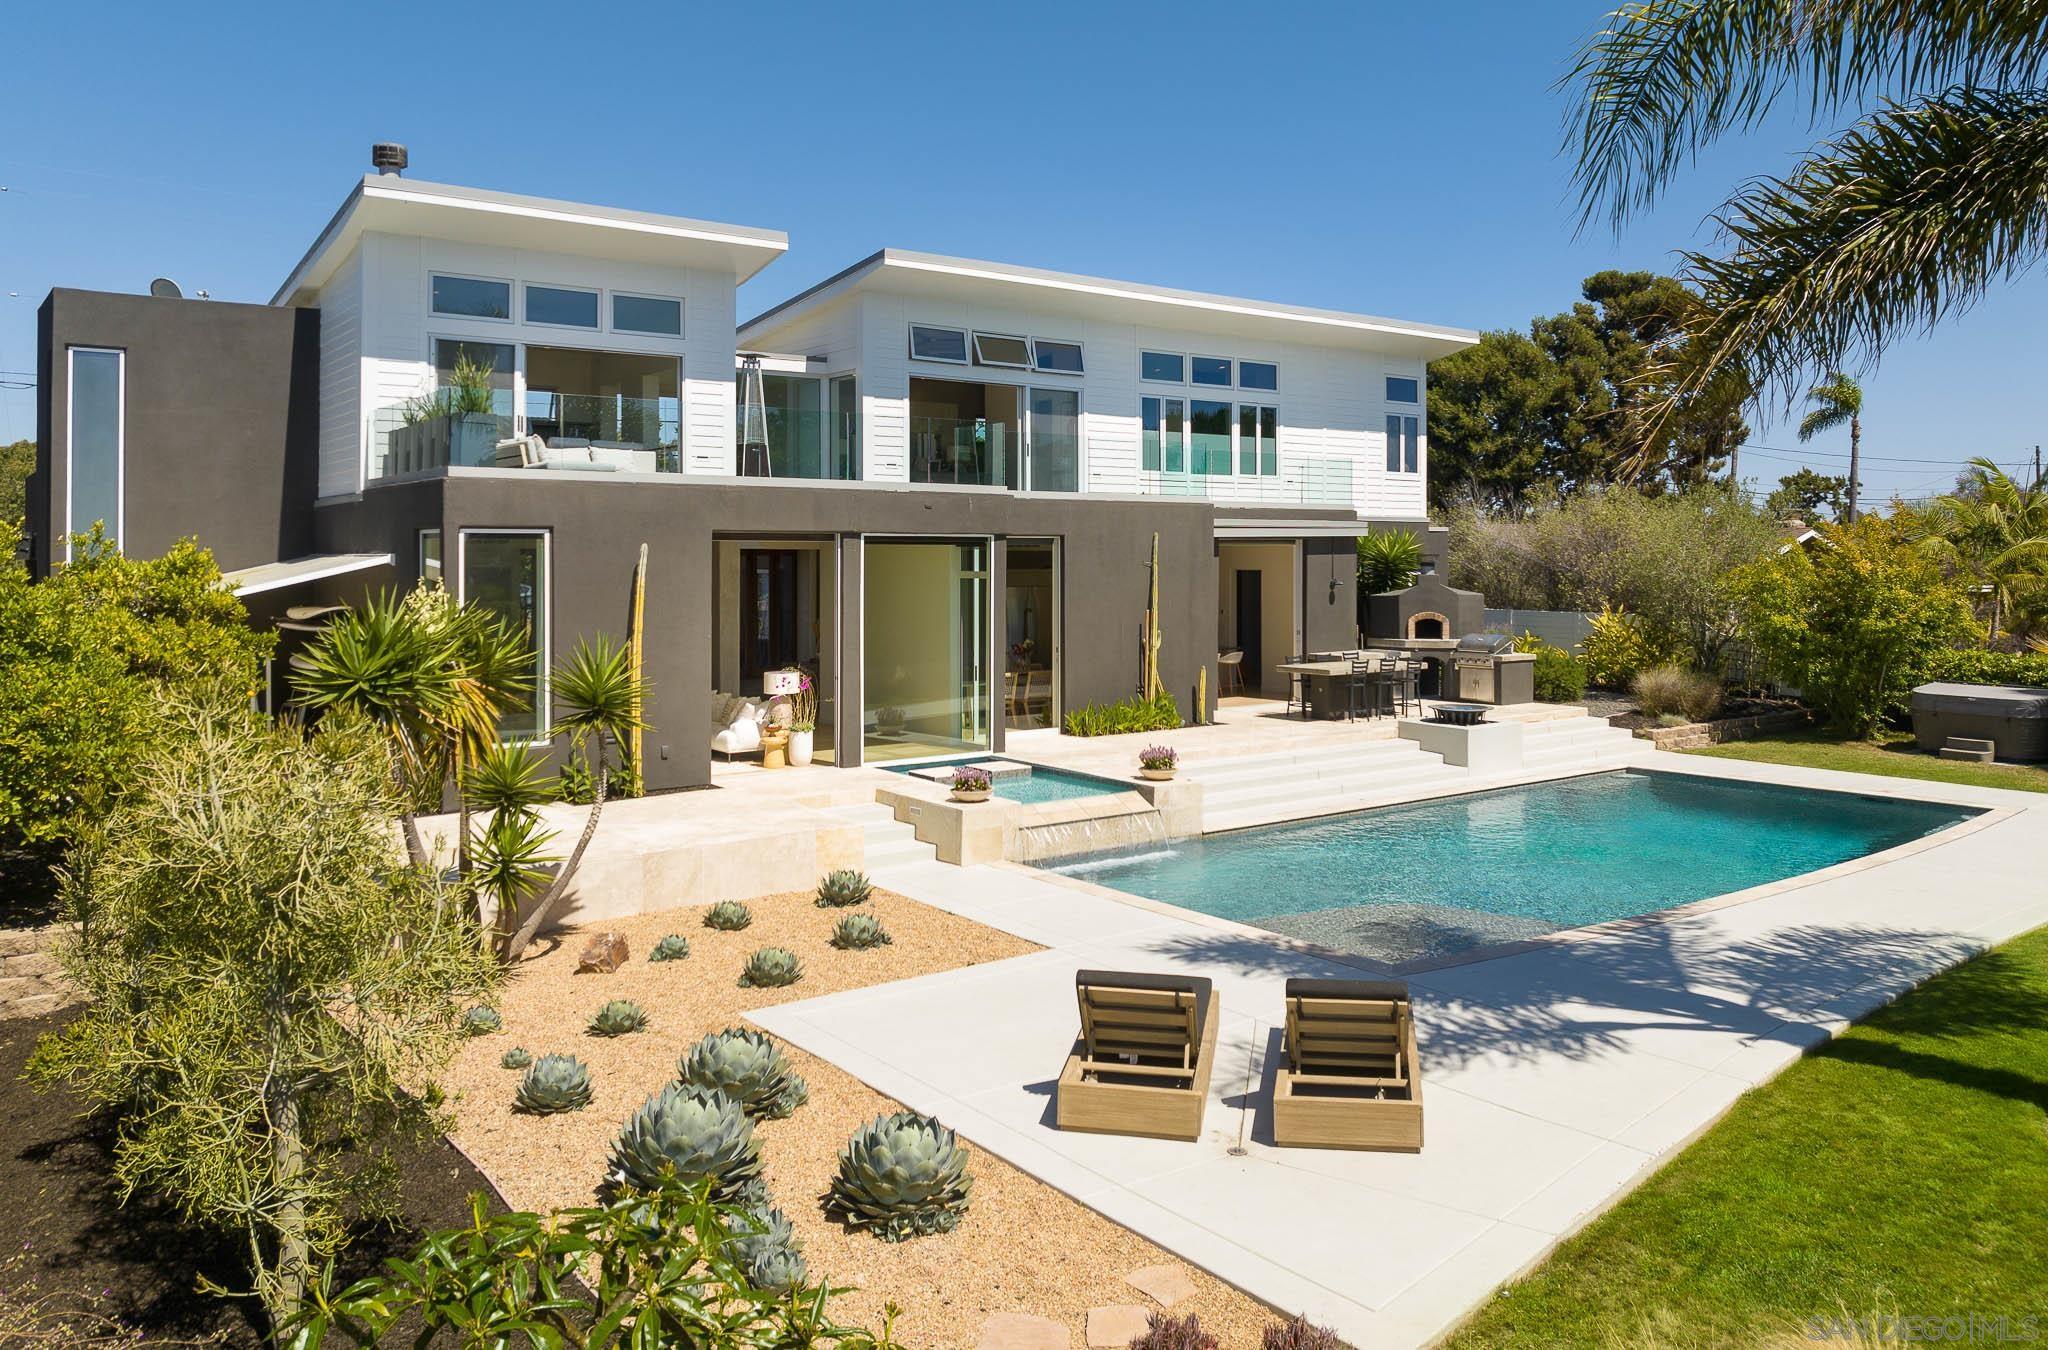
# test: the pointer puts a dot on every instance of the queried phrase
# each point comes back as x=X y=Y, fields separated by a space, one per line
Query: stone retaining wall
x=31 y=982
x=1692 y=735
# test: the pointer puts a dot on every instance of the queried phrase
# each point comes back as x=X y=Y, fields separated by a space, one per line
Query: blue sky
x=1393 y=159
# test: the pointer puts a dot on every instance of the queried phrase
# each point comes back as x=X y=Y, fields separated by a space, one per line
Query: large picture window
x=505 y=572
x=1210 y=423
x=95 y=449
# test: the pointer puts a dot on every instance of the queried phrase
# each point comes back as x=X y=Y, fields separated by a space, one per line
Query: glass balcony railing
x=799 y=443
x=980 y=452
x=1302 y=480
x=602 y=432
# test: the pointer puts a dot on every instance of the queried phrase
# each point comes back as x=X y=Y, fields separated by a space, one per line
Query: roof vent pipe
x=388 y=157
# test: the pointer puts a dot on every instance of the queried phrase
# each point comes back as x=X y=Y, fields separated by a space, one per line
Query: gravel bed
x=1024 y=1246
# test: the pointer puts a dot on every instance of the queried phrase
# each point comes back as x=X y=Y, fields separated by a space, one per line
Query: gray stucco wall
x=597 y=526
x=222 y=407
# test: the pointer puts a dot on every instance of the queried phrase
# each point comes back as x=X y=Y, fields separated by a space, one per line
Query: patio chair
x=1229 y=673
x=1141 y=1064
x=1350 y=1079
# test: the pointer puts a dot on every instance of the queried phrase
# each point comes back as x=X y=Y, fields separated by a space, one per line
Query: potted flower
x=803 y=719
x=971 y=784
x=1157 y=762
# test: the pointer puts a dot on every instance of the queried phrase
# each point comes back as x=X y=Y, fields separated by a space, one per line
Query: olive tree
x=271 y=985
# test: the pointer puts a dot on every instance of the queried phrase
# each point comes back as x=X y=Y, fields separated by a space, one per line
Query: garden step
x=1277 y=789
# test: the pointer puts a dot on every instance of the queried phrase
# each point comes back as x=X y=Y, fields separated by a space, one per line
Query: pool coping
x=1985 y=817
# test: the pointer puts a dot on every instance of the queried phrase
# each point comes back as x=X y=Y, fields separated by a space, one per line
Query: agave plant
x=765 y=1246
x=728 y=916
x=555 y=1083
x=749 y=1068
x=858 y=932
x=674 y=947
x=515 y=1058
x=901 y=1176
x=842 y=887
x=770 y=968
x=481 y=1021
x=617 y=1018
x=693 y=1134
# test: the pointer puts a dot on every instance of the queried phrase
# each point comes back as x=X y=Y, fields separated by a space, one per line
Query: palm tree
x=1909 y=215
x=1994 y=529
x=1836 y=400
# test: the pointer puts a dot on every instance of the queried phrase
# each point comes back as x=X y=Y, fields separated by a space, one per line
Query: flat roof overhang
x=297 y=571
x=390 y=204
x=897 y=272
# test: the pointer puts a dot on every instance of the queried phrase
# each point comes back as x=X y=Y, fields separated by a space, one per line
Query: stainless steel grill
x=1476 y=661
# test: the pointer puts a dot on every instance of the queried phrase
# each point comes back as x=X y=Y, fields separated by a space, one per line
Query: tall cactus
x=1151 y=638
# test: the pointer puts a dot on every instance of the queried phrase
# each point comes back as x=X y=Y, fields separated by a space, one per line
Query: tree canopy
x=1524 y=419
x=1809 y=495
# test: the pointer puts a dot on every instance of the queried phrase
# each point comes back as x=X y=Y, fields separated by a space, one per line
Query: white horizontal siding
x=341 y=346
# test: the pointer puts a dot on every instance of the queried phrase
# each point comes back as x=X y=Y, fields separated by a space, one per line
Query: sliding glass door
x=924 y=647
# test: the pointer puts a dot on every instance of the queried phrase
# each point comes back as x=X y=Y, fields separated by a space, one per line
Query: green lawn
x=1900 y=1170
x=1892 y=754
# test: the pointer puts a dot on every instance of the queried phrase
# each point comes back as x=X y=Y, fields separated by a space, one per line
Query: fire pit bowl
x=1458 y=714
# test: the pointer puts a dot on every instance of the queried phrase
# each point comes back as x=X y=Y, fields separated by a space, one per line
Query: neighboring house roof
x=899 y=272
x=413 y=206
x=277 y=575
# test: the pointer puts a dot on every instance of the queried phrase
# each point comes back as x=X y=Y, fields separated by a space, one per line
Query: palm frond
x=507 y=777
x=1905 y=219
x=597 y=691
x=1666 y=78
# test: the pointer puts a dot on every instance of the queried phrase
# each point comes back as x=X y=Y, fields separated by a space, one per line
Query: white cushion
x=743 y=735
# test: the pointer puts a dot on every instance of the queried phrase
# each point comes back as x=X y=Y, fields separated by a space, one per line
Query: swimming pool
x=1405 y=883
x=1038 y=783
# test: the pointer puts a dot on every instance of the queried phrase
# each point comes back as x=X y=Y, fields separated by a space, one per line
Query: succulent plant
x=776 y=1270
x=694 y=1133
x=480 y=1021
x=728 y=916
x=674 y=947
x=770 y=968
x=901 y=1176
x=617 y=1018
x=555 y=1083
x=749 y=1068
x=842 y=887
x=515 y=1058
x=858 y=932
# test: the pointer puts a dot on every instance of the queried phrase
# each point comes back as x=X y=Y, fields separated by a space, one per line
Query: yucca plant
x=842 y=887
x=728 y=916
x=901 y=1176
x=619 y=1017
x=858 y=932
x=554 y=1084
x=749 y=1068
x=688 y=1135
x=674 y=947
x=518 y=1057
x=770 y=968
x=480 y=1021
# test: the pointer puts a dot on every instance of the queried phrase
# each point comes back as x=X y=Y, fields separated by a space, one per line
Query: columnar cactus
x=749 y=1068
x=771 y=967
x=842 y=887
x=902 y=1176
x=554 y=1084
x=728 y=916
x=692 y=1134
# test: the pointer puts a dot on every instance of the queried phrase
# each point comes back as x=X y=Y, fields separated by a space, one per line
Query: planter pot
x=981 y=795
x=1158 y=775
x=800 y=745
x=473 y=439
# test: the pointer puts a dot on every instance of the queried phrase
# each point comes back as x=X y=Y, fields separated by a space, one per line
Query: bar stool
x=1403 y=686
x=1363 y=690
x=1298 y=691
x=1229 y=673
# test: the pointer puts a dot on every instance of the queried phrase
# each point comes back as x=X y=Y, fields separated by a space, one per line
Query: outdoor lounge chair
x=1142 y=1061
x=1350 y=1078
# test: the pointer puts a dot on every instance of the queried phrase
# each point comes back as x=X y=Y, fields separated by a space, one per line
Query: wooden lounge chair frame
x=1142 y=1062
x=1351 y=1078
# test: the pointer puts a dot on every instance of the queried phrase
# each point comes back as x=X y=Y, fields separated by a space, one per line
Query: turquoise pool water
x=1405 y=882
x=1046 y=785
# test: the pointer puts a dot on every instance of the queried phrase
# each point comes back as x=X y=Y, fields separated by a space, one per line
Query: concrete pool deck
x=1557 y=1076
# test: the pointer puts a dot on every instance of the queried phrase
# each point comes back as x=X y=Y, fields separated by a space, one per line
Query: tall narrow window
x=1148 y=434
x=844 y=439
x=1174 y=434
x=94 y=456
x=1403 y=443
x=506 y=573
x=430 y=556
x=1258 y=450
x=1210 y=422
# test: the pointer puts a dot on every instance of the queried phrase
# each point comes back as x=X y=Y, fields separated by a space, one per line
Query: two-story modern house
x=934 y=482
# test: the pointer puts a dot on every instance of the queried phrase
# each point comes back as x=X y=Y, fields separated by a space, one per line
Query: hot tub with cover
x=2014 y=718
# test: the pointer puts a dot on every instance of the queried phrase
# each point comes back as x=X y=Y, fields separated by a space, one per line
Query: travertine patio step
x=886 y=841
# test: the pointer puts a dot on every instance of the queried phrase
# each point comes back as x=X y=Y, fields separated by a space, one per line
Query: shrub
x=901 y=1176
x=692 y=1136
x=1388 y=560
x=555 y=1083
x=1166 y=1332
x=1560 y=676
x=620 y=1017
x=771 y=968
x=1158 y=758
x=749 y=1068
x=728 y=916
x=674 y=947
x=480 y=1021
x=858 y=932
x=1674 y=689
x=843 y=886
x=1301 y=1334
x=1126 y=715
x=1853 y=621
x=672 y=1268
x=1974 y=665
x=1618 y=645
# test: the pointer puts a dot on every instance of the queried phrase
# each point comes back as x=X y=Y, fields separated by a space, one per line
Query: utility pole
x=2037 y=466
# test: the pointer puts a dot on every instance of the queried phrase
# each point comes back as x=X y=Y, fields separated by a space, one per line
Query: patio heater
x=754 y=458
